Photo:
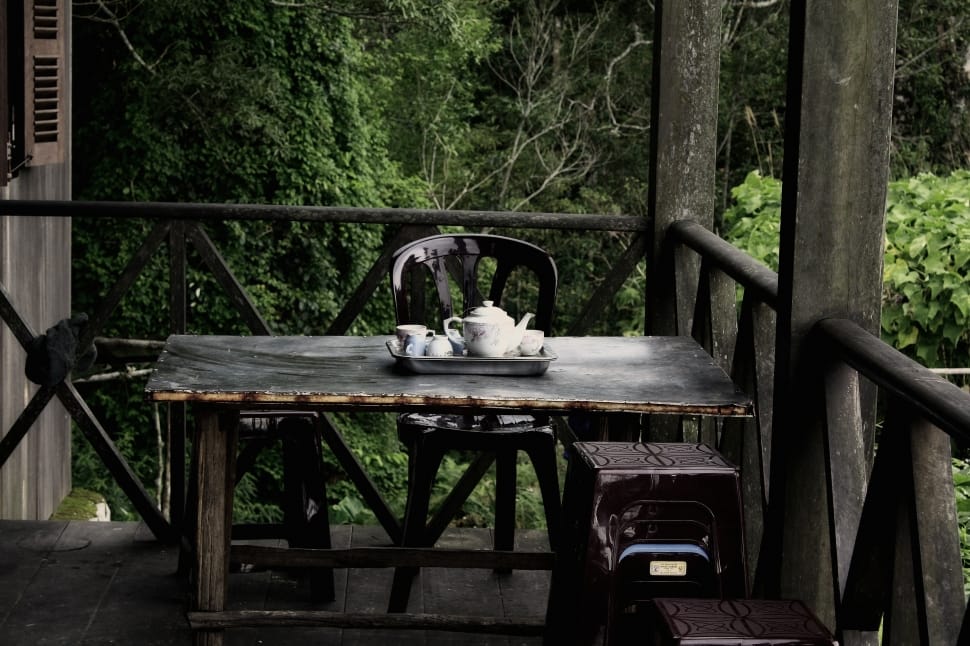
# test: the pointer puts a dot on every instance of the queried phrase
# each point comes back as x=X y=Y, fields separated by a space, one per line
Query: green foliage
x=500 y=104
x=753 y=221
x=130 y=423
x=926 y=301
x=751 y=93
x=961 y=482
x=926 y=298
x=931 y=122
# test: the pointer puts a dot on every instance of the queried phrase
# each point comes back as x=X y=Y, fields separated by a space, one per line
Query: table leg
x=216 y=441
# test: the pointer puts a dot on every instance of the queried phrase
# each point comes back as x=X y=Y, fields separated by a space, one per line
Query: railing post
x=927 y=594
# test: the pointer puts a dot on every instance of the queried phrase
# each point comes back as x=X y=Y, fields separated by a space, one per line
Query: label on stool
x=668 y=568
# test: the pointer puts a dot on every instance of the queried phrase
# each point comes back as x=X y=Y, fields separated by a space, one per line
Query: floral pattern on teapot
x=488 y=331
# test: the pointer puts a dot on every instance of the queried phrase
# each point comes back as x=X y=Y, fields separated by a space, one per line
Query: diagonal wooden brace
x=86 y=421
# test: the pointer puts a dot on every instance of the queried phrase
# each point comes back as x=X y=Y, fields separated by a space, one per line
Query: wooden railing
x=894 y=548
x=893 y=526
x=181 y=226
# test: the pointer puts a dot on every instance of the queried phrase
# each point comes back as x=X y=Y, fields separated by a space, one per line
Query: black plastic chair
x=426 y=275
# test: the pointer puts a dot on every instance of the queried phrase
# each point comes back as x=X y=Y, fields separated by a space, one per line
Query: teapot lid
x=488 y=311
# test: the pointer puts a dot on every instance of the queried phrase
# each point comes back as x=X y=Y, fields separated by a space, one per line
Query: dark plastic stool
x=751 y=622
x=640 y=521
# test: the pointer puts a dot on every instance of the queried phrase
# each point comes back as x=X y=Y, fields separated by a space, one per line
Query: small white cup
x=439 y=346
x=531 y=343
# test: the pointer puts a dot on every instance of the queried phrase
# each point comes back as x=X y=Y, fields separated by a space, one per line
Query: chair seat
x=412 y=425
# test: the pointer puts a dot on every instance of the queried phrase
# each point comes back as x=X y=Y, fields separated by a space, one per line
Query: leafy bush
x=753 y=221
x=961 y=481
x=926 y=297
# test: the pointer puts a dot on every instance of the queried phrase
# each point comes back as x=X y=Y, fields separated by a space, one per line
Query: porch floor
x=90 y=583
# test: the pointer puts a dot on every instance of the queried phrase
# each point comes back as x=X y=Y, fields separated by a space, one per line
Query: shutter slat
x=45 y=19
x=46 y=114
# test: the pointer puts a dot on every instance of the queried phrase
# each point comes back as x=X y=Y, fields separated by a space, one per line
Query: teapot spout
x=519 y=330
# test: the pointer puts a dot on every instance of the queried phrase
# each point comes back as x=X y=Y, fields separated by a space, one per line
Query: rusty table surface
x=593 y=374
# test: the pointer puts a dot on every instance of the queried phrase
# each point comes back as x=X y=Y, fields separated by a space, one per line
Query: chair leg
x=505 y=501
x=305 y=495
x=426 y=460
x=544 y=459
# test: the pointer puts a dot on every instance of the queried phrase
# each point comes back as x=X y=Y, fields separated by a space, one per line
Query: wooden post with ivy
x=837 y=144
x=683 y=149
x=686 y=65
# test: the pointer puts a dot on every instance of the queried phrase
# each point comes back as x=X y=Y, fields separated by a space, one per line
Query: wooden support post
x=682 y=161
x=840 y=82
x=683 y=149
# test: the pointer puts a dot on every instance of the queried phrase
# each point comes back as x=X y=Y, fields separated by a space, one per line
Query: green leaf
x=908 y=337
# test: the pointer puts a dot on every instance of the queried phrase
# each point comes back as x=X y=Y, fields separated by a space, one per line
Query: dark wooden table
x=222 y=375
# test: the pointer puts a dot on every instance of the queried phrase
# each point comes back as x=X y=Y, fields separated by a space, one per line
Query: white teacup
x=531 y=343
x=402 y=332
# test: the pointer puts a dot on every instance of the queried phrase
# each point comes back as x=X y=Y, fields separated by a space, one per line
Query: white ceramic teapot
x=488 y=331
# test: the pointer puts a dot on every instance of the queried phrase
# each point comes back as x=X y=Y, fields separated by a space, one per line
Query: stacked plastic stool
x=643 y=521
x=739 y=622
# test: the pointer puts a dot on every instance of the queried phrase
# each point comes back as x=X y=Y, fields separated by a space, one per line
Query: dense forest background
x=520 y=105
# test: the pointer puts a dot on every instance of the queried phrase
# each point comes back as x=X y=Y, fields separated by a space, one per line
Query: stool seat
x=738 y=622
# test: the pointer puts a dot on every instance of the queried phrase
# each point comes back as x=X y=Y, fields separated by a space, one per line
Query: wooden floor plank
x=368 y=590
x=65 y=595
x=142 y=605
x=285 y=589
x=463 y=592
x=111 y=583
x=23 y=545
x=525 y=592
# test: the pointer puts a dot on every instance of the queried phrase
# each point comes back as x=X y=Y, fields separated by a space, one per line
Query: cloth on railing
x=51 y=356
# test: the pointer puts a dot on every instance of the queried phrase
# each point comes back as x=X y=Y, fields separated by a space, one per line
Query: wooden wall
x=35 y=268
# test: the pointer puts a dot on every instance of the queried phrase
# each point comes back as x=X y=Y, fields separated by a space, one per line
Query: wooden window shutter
x=11 y=89
x=4 y=98
x=45 y=76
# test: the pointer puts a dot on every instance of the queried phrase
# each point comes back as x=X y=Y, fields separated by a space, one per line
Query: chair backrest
x=456 y=260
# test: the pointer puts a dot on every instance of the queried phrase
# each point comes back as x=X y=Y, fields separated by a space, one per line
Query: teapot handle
x=447 y=324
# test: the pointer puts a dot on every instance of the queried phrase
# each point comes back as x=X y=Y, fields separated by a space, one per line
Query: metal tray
x=511 y=366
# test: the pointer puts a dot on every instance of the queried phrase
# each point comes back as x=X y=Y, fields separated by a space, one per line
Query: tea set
x=486 y=331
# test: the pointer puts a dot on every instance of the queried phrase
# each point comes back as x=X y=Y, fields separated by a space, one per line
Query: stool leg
x=426 y=460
